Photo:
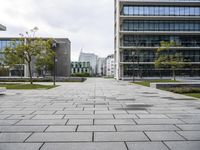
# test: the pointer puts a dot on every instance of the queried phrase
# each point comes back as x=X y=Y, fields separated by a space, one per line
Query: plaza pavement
x=99 y=114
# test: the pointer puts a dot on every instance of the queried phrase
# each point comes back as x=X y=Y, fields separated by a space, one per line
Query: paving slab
x=42 y=122
x=186 y=145
x=146 y=146
x=96 y=128
x=61 y=128
x=22 y=128
x=146 y=128
x=190 y=135
x=60 y=137
x=20 y=146
x=13 y=137
x=85 y=146
x=164 y=136
x=113 y=121
x=120 y=136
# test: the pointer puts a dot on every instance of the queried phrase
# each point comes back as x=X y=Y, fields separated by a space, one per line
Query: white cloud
x=87 y=23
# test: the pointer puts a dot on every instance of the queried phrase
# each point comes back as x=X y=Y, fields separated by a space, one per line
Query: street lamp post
x=54 y=46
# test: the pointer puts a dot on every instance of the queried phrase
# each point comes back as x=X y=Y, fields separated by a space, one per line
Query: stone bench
x=2 y=91
x=176 y=85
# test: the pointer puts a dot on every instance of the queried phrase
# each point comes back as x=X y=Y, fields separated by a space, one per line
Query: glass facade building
x=140 y=27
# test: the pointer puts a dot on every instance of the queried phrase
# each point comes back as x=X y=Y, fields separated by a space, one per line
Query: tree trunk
x=30 y=72
x=174 y=75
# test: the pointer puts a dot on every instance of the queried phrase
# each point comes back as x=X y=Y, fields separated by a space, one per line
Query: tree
x=44 y=61
x=26 y=49
x=167 y=58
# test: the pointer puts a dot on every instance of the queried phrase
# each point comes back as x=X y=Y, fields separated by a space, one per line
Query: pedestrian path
x=99 y=114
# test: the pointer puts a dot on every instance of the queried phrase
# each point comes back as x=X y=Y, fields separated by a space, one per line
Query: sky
x=89 y=24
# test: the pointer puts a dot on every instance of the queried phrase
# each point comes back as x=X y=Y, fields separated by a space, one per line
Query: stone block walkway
x=99 y=114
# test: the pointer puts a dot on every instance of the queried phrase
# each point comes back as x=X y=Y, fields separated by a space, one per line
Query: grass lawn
x=196 y=95
x=26 y=86
x=147 y=83
x=193 y=92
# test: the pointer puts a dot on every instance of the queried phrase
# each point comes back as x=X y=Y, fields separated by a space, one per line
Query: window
x=167 y=12
x=131 y=10
x=156 y=11
x=182 y=11
x=192 y=11
x=140 y=12
x=187 y=11
x=162 y=11
x=172 y=11
x=126 y=10
x=197 y=11
x=135 y=10
x=176 y=11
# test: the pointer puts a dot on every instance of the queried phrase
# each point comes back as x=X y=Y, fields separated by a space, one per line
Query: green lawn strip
x=192 y=92
x=196 y=95
x=147 y=83
x=26 y=86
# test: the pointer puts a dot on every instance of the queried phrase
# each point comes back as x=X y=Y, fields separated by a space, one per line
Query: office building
x=63 y=57
x=110 y=66
x=89 y=57
x=141 y=25
x=101 y=65
x=80 y=67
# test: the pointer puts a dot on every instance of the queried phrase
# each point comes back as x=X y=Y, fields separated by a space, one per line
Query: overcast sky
x=87 y=23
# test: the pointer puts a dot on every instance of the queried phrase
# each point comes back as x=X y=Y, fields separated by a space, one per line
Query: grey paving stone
x=164 y=136
x=42 y=122
x=96 y=128
x=74 y=112
x=152 y=116
x=16 y=112
x=13 y=137
x=80 y=122
x=61 y=137
x=48 y=117
x=21 y=117
x=8 y=122
x=159 y=121
x=42 y=112
x=126 y=116
x=120 y=136
x=89 y=117
x=22 y=128
x=85 y=146
x=20 y=146
x=61 y=128
x=146 y=128
x=192 y=120
x=189 y=126
x=110 y=112
x=146 y=146
x=190 y=135
x=113 y=121
x=186 y=145
x=4 y=116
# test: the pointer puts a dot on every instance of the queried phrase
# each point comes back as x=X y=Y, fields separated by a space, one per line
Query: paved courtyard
x=99 y=114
